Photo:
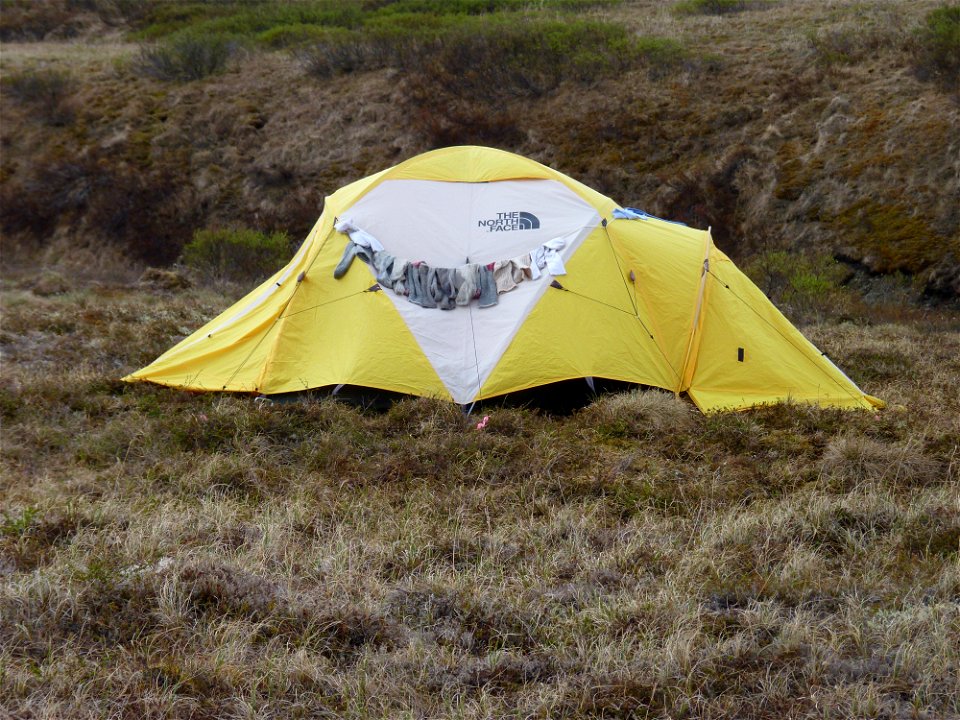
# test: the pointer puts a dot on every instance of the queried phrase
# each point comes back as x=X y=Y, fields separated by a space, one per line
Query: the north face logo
x=511 y=221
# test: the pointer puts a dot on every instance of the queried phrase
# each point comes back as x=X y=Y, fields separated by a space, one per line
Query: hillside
x=806 y=127
x=173 y=555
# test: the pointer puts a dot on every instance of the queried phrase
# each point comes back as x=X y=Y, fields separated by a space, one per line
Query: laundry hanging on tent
x=446 y=288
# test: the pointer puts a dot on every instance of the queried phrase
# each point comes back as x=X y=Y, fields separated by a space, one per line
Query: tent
x=468 y=273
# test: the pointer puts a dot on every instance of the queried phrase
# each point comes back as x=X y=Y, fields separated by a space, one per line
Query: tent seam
x=690 y=356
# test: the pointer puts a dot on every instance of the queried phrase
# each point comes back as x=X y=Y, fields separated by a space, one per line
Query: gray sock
x=427 y=300
x=488 y=288
x=349 y=253
x=414 y=288
x=445 y=293
x=383 y=265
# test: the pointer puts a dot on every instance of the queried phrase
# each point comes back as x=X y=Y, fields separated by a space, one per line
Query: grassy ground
x=164 y=554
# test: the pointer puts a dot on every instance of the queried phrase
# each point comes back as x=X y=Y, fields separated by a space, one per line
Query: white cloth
x=509 y=273
x=548 y=256
x=358 y=236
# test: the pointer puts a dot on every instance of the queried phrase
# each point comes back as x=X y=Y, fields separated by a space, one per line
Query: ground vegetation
x=166 y=554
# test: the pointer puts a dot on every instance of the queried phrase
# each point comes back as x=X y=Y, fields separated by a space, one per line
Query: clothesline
x=447 y=288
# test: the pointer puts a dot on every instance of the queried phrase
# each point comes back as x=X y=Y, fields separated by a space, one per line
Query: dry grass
x=164 y=554
x=172 y=555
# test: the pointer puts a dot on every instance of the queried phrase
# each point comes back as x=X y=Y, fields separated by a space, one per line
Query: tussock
x=649 y=414
x=852 y=460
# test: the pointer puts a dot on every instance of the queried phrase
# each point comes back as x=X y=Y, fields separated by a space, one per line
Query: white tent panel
x=425 y=220
x=447 y=224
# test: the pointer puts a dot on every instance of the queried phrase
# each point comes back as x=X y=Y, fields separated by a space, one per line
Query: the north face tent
x=468 y=273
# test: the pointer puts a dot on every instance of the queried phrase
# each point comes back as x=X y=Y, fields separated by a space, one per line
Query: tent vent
x=739 y=354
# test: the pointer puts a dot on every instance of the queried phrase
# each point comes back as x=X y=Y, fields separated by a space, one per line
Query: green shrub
x=525 y=56
x=482 y=7
x=837 y=46
x=462 y=79
x=22 y=20
x=291 y=35
x=166 y=18
x=253 y=18
x=40 y=85
x=186 y=57
x=463 y=75
x=156 y=19
x=490 y=56
x=248 y=19
x=802 y=287
x=261 y=18
x=663 y=55
x=15 y=525
x=337 y=51
x=717 y=7
x=936 y=45
x=47 y=90
x=241 y=255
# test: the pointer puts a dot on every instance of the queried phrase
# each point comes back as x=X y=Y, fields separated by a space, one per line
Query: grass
x=181 y=555
x=164 y=554
x=857 y=32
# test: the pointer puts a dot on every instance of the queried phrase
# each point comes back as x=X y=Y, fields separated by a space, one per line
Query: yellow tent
x=478 y=273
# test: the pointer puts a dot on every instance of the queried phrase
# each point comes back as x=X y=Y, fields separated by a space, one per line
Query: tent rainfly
x=467 y=273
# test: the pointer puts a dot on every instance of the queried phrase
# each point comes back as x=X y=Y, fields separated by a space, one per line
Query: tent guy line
x=633 y=299
x=328 y=302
